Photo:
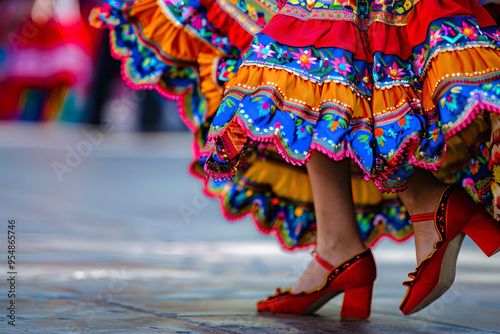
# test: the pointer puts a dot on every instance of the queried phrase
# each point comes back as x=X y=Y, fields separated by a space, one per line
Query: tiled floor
x=103 y=246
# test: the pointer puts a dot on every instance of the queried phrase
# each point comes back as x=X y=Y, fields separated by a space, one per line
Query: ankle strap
x=323 y=262
x=422 y=217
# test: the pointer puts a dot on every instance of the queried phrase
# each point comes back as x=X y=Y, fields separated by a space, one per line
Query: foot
x=312 y=278
x=426 y=234
x=315 y=274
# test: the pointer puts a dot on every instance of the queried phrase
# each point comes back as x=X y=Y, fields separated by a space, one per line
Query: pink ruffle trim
x=273 y=231
x=157 y=87
x=409 y=145
x=346 y=153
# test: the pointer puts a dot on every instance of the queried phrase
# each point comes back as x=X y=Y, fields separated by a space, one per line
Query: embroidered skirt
x=392 y=85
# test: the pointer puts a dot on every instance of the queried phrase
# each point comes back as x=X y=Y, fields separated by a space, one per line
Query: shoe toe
x=266 y=306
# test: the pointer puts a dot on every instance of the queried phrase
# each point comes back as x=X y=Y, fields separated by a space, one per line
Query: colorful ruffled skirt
x=392 y=85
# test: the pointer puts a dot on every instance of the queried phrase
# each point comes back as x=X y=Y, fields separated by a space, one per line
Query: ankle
x=336 y=253
x=426 y=236
x=422 y=201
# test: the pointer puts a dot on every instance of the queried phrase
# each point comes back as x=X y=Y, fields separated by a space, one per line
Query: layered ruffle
x=348 y=85
x=389 y=96
x=278 y=198
x=299 y=116
x=163 y=50
x=239 y=20
x=145 y=65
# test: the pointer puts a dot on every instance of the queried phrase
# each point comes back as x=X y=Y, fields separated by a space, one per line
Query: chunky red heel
x=354 y=277
x=455 y=216
x=357 y=302
x=485 y=232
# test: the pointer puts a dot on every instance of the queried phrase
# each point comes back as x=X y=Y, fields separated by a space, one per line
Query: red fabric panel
x=238 y=36
x=397 y=40
x=320 y=33
x=390 y=40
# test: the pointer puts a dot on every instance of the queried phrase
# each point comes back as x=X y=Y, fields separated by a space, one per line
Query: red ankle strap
x=323 y=262
x=422 y=217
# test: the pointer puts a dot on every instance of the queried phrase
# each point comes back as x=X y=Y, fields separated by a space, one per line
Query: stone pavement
x=105 y=248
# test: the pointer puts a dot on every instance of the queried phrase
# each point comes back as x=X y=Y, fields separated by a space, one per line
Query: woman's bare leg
x=422 y=196
x=338 y=237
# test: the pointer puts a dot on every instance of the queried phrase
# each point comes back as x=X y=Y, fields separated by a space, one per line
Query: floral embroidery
x=474 y=166
x=362 y=13
x=365 y=140
x=347 y=5
x=334 y=124
x=402 y=122
x=264 y=108
x=494 y=88
x=282 y=54
x=263 y=51
x=374 y=142
x=391 y=133
x=468 y=31
x=420 y=60
x=451 y=102
x=486 y=152
x=407 y=5
x=435 y=37
x=394 y=71
x=495 y=36
x=379 y=135
x=448 y=30
x=304 y=59
x=218 y=41
x=303 y=130
x=227 y=103
x=368 y=80
x=452 y=33
x=434 y=135
x=189 y=14
x=341 y=66
x=386 y=70
x=197 y=22
x=261 y=21
x=226 y=70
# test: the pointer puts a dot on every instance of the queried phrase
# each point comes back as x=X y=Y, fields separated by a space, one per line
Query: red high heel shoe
x=354 y=277
x=456 y=215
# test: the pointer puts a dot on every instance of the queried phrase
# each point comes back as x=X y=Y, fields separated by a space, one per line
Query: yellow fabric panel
x=309 y=95
x=174 y=41
x=468 y=62
x=291 y=182
x=286 y=182
x=208 y=73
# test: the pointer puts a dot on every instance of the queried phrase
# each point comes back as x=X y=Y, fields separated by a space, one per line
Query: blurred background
x=55 y=67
